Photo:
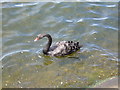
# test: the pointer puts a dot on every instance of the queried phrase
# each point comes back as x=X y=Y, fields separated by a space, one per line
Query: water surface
x=95 y=25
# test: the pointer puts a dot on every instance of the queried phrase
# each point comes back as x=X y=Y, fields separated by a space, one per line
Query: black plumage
x=60 y=48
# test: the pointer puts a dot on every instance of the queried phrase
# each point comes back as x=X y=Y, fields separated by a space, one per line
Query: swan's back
x=64 y=48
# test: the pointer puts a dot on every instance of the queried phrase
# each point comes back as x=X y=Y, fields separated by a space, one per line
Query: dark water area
x=93 y=24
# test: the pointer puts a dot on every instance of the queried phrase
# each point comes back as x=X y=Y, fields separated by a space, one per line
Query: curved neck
x=46 y=48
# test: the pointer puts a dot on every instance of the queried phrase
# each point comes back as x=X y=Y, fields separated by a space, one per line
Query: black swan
x=60 y=48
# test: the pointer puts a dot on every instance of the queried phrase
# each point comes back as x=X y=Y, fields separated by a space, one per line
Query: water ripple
x=15 y=20
x=103 y=5
x=104 y=26
x=94 y=12
x=104 y=51
x=83 y=19
x=12 y=5
x=89 y=33
x=20 y=51
x=110 y=27
x=102 y=18
x=26 y=4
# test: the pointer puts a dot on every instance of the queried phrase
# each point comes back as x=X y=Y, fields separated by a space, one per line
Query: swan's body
x=60 y=48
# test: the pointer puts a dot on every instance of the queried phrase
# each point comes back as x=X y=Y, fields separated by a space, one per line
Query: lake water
x=93 y=24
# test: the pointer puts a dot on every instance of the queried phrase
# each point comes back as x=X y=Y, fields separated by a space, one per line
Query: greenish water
x=95 y=25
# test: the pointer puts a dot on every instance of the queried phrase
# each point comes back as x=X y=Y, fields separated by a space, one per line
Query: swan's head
x=40 y=36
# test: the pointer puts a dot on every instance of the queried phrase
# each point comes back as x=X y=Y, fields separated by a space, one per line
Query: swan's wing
x=56 y=50
x=64 y=48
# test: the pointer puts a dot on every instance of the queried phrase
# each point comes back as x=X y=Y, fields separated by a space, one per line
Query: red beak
x=36 y=39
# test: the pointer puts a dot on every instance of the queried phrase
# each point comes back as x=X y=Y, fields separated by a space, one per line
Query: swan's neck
x=46 y=48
